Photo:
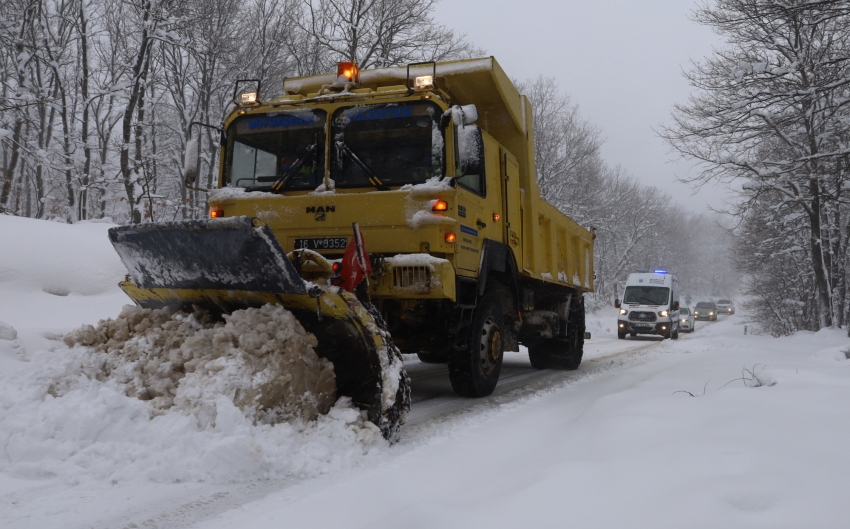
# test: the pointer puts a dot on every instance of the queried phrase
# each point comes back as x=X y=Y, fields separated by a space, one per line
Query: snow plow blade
x=232 y=264
x=231 y=254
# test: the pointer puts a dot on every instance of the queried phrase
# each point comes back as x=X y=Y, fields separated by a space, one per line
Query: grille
x=412 y=279
x=642 y=316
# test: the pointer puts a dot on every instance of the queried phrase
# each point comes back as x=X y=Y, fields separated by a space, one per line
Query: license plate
x=642 y=324
x=321 y=243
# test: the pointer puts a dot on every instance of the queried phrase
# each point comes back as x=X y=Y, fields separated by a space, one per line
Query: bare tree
x=770 y=113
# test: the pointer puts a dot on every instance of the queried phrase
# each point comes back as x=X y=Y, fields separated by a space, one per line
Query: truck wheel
x=621 y=335
x=563 y=353
x=433 y=357
x=474 y=370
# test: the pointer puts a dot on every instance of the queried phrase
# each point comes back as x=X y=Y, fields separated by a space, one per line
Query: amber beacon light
x=440 y=205
x=216 y=213
x=348 y=70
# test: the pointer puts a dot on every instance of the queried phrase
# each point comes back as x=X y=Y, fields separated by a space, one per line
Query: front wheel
x=474 y=370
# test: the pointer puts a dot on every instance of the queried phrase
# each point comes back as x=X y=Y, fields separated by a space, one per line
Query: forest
x=97 y=97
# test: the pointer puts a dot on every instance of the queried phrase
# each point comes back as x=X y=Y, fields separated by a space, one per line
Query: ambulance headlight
x=623 y=312
x=663 y=313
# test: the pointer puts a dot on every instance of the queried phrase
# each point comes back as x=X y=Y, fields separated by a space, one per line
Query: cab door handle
x=480 y=223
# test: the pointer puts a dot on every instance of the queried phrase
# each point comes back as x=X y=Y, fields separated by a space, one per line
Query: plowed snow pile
x=176 y=397
x=261 y=359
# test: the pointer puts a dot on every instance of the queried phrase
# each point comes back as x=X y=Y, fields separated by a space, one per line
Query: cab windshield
x=646 y=295
x=386 y=145
x=286 y=145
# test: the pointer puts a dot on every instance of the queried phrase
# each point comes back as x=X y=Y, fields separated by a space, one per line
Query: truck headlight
x=663 y=313
x=623 y=312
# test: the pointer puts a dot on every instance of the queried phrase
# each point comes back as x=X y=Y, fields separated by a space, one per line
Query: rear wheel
x=474 y=370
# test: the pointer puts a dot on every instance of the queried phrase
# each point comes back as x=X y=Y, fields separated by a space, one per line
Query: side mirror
x=465 y=115
x=190 y=162
x=617 y=303
x=461 y=116
x=470 y=150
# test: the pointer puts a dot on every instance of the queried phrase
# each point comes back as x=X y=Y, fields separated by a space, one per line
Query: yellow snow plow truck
x=392 y=211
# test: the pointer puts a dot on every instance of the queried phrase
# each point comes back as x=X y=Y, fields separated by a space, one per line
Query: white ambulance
x=650 y=305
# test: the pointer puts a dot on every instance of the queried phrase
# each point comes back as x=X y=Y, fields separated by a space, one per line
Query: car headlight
x=684 y=320
x=663 y=313
x=623 y=312
x=711 y=314
x=696 y=313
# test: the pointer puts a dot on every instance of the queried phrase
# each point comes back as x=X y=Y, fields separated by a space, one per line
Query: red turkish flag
x=356 y=265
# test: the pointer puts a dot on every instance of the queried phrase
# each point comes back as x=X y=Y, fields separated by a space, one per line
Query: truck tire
x=433 y=357
x=563 y=353
x=474 y=370
x=621 y=335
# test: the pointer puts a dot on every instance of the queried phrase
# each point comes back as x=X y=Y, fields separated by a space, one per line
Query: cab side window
x=472 y=182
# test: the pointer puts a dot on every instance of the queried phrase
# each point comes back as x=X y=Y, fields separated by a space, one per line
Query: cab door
x=511 y=214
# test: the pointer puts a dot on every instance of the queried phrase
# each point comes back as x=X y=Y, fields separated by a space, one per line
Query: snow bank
x=7 y=332
x=58 y=258
x=177 y=397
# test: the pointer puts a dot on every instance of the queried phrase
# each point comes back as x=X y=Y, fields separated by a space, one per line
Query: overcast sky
x=619 y=60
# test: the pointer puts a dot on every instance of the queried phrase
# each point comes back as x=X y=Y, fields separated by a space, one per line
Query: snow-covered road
x=646 y=433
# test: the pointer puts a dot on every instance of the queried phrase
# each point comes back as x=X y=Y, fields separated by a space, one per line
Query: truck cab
x=650 y=305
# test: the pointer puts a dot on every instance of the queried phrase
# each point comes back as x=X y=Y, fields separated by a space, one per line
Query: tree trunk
x=823 y=294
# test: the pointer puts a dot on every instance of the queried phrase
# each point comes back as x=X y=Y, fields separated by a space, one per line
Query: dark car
x=705 y=310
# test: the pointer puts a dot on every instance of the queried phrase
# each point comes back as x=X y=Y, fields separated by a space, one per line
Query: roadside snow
x=7 y=332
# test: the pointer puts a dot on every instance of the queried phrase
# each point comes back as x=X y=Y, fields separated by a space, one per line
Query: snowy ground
x=618 y=443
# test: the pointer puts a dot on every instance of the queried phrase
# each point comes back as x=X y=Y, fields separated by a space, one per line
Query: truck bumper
x=661 y=328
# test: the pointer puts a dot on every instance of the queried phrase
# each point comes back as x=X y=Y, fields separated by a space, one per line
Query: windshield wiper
x=278 y=184
x=373 y=178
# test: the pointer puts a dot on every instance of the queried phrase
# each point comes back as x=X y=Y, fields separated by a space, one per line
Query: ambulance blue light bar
x=661 y=271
